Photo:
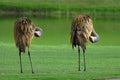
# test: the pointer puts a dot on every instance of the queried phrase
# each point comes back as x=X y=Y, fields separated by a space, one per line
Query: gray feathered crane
x=82 y=31
x=24 y=30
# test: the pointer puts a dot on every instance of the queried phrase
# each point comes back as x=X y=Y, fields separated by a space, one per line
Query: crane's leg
x=84 y=60
x=20 y=61
x=30 y=60
x=78 y=58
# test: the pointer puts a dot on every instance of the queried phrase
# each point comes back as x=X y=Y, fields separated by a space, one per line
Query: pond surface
x=56 y=31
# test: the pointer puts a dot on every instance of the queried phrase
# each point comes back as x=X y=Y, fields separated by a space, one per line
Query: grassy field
x=60 y=3
x=60 y=8
x=52 y=55
x=59 y=63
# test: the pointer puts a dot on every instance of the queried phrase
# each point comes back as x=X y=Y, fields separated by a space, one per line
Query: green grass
x=61 y=2
x=52 y=56
x=59 y=63
x=62 y=8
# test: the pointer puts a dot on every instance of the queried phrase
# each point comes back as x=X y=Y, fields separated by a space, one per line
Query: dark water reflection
x=56 y=31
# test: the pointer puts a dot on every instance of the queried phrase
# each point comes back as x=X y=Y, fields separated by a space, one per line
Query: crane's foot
x=84 y=69
x=21 y=71
x=79 y=69
x=33 y=72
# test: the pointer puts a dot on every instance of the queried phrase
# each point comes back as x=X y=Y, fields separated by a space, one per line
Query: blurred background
x=52 y=56
x=55 y=17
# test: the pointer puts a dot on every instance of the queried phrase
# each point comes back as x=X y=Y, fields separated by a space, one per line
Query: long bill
x=38 y=32
x=94 y=37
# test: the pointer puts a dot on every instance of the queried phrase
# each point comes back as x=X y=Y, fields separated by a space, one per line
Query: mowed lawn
x=60 y=3
x=59 y=62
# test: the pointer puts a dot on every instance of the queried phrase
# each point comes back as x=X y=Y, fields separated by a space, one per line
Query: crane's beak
x=38 y=32
x=94 y=39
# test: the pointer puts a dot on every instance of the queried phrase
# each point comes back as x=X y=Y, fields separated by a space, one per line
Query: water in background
x=56 y=31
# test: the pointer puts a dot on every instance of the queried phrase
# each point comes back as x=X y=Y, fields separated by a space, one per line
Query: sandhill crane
x=24 y=30
x=82 y=31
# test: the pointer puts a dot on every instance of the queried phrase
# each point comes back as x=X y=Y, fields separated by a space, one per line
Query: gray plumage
x=24 y=31
x=82 y=31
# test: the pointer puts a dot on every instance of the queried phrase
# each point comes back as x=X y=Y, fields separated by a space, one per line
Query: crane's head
x=38 y=32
